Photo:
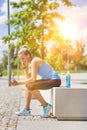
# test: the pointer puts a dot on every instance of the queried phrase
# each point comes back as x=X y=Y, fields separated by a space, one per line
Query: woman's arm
x=27 y=81
x=26 y=73
x=32 y=78
x=26 y=70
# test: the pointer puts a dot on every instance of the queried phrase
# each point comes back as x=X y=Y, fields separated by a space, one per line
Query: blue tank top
x=47 y=72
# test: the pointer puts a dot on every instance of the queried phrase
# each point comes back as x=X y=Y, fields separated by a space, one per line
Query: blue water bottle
x=68 y=80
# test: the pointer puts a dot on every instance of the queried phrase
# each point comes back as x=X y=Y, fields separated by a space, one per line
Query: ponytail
x=24 y=49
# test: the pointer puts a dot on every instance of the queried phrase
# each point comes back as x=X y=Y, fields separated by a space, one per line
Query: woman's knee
x=30 y=88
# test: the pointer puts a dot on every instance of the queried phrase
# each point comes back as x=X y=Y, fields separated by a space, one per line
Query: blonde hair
x=24 y=49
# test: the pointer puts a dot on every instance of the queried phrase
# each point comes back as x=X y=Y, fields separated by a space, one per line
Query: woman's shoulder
x=37 y=60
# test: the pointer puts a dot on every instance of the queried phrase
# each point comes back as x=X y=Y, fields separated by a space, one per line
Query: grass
x=20 y=72
x=84 y=83
x=14 y=71
x=73 y=71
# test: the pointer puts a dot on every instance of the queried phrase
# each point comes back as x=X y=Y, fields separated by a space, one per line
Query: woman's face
x=25 y=59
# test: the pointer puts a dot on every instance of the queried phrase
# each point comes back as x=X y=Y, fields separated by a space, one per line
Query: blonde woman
x=49 y=79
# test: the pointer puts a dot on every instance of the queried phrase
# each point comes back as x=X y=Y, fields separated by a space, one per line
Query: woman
x=37 y=66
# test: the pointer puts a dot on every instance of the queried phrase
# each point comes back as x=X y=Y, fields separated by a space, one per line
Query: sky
x=77 y=17
x=76 y=21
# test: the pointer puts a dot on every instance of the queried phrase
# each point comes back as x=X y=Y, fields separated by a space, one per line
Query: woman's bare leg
x=39 y=97
x=28 y=96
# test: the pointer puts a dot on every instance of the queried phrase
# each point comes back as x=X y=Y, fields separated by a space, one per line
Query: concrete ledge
x=70 y=104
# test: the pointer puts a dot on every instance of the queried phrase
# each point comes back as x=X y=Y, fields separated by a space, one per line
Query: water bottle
x=68 y=80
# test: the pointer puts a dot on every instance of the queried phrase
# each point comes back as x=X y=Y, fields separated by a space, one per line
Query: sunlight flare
x=68 y=30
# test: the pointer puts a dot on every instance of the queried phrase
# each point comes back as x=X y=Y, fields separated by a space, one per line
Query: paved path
x=9 y=103
x=34 y=122
x=12 y=99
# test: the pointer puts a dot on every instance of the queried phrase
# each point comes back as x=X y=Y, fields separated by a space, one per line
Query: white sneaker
x=23 y=112
x=46 y=110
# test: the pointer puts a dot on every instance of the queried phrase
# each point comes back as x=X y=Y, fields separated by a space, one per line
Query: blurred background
x=55 y=30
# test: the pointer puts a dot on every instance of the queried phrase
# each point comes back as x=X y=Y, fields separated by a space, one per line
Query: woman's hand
x=14 y=82
x=24 y=66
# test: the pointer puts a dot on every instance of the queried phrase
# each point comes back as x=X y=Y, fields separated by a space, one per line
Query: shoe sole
x=22 y=114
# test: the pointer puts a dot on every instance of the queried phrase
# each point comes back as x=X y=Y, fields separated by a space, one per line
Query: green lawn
x=20 y=72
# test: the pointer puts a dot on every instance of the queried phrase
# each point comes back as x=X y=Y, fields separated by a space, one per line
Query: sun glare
x=68 y=30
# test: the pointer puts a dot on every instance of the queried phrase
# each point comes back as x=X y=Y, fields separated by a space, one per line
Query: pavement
x=13 y=99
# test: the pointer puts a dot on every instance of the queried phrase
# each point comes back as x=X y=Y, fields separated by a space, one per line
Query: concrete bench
x=69 y=104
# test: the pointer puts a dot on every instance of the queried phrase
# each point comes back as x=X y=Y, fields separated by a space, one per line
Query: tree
x=30 y=20
x=78 y=54
x=33 y=24
x=5 y=60
x=83 y=62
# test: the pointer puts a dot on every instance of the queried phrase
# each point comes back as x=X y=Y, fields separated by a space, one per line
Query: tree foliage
x=29 y=19
x=32 y=24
